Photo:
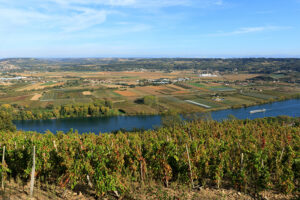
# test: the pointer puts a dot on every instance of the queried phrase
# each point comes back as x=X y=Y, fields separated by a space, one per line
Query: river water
x=108 y=124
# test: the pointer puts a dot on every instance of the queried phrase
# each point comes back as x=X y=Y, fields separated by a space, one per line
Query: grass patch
x=259 y=95
x=198 y=85
x=48 y=83
x=212 y=88
x=59 y=94
x=220 y=89
x=130 y=77
x=207 y=102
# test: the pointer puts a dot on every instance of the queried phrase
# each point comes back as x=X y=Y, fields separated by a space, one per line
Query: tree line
x=95 y=109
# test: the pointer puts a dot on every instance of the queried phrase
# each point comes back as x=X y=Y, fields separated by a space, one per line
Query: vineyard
x=248 y=155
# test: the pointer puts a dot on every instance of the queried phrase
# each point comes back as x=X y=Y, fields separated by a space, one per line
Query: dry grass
x=180 y=92
x=239 y=77
x=153 y=90
x=38 y=86
x=5 y=83
x=111 y=86
x=36 y=97
x=87 y=93
x=110 y=75
x=126 y=93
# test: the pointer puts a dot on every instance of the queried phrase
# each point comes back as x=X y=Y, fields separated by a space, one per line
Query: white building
x=207 y=75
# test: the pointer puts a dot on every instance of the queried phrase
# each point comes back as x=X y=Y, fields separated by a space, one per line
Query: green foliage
x=150 y=100
x=170 y=119
x=250 y=155
x=6 y=121
x=95 y=109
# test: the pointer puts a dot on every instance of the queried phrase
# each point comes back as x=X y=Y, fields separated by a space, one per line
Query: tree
x=150 y=100
x=109 y=103
x=6 y=123
x=170 y=119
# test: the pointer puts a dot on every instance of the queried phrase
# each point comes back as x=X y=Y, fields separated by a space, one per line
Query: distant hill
x=250 y=65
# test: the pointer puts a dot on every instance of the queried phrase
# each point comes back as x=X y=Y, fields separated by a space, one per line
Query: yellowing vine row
x=250 y=156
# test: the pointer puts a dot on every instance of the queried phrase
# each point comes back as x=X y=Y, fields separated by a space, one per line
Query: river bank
x=110 y=124
x=115 y=112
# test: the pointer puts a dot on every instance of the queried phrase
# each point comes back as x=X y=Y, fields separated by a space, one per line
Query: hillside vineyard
x=249 y=155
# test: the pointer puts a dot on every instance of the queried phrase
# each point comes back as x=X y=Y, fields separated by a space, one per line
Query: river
x=107 y=124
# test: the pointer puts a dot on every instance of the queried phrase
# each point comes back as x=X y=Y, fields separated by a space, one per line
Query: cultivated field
x=126 y=89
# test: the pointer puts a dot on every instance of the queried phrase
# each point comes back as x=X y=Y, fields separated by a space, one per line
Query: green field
x=48 y=83
x=259 y=95
x=89 y=87
x=221 y=89
x=207 y=102
x=62 y=94
x=212 y=88
x=198 y=85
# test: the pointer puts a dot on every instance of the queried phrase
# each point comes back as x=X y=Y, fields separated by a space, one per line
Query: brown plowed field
x=126 y=93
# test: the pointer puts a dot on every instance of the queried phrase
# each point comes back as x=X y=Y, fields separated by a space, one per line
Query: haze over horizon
x=149 y=28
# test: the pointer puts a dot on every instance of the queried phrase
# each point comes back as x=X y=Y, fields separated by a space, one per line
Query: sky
x=149 y=28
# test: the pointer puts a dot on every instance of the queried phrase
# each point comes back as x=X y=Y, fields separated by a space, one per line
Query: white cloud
x=219 y=2
x=130 y=3
x=19 y=16
x=76 y=15
x=99 y=2
x=139 y=3
x=58 y=17
x=247 y=30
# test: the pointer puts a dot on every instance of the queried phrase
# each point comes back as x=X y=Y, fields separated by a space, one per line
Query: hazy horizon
x=157 y=57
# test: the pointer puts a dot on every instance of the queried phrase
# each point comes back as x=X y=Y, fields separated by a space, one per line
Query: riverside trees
x=95 y=109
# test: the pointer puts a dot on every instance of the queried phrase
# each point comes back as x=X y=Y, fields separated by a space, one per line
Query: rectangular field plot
x=173 y=103
x=233 y=100
x=247 y=98
x=166 y=91
x=126 y=93
x=48 y=83
x=174 y=87
x=149 y=90
x=259 y=95
x=221 y=89
x=198 y=85
x=205 y=103
x=62 y=94
x=198 y=104
x=212 y=87
x=105 y=93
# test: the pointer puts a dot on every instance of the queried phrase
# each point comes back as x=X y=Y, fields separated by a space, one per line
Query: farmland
x=174 y=89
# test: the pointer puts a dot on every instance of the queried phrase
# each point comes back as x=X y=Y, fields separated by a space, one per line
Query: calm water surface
x=108 y=124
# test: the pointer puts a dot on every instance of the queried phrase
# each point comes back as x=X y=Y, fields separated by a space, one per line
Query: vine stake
x=32 y=173
x=3 y=163
x=187 y=151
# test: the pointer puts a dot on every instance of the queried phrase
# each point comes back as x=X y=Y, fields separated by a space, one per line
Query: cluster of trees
x=248 y=155
x=6 y=123
x=95 y=109
x=150 y=100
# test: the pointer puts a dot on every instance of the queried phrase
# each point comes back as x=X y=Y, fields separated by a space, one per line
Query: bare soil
x=87 y=93
x=36 y=97
x=15 y=191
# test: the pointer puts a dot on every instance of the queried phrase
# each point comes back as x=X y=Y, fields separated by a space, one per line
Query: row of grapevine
x=250 y=156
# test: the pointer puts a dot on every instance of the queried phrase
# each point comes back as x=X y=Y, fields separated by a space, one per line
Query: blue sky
x=149 y=28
